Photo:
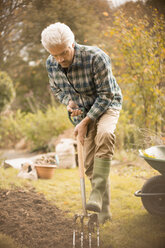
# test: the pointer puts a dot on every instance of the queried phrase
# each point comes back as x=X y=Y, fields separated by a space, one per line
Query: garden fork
x=92 y=218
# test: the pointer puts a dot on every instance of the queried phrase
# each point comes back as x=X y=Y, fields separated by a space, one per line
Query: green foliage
x=33 y=90
x=125 y=132
x=10 y=131
x=141 y=54
x=130 y=136
x=37 y=128
x=137 y=48
x=41 y=127
x=7 y=92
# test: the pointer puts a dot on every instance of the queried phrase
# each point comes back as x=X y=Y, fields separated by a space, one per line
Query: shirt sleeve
x=57 y=92
x=104 y=85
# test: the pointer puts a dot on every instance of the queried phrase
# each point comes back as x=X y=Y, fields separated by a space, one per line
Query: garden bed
x=32 y=221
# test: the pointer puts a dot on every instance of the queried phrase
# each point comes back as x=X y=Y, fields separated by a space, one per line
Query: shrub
x=38 y=128
x=10 y=129
x=7 y=91
x=125 y=132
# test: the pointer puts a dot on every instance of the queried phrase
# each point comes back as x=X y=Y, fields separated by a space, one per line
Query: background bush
x=36 y=128
x=7 y=91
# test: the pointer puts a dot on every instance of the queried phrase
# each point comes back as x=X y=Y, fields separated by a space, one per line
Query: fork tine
x=82 y=230
x=74 y=230
x=93 y=223
x=98 y=232
x=89 y=233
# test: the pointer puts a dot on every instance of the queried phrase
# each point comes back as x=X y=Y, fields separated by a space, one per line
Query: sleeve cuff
x=91 y=116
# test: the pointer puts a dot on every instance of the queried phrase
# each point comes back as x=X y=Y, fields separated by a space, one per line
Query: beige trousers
x=100 y=139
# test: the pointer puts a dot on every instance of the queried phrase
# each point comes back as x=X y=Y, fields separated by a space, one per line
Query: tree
x=10 y=11
x=21 y=39
x=140 y=45
x=22 y=22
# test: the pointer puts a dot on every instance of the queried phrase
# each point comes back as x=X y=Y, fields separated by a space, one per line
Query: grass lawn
x=131 y=227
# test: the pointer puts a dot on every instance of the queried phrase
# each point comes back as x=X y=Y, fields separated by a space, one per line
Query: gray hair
x=56 y=34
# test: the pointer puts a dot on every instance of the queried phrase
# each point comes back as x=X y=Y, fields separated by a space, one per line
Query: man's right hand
x=73 y=108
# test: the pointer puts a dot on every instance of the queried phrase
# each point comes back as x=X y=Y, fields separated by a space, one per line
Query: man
x=81 y=78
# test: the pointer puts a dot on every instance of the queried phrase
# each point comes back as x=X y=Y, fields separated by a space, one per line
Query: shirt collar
x=77 y=55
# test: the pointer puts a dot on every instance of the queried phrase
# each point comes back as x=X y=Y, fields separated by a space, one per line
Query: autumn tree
x=140 y=69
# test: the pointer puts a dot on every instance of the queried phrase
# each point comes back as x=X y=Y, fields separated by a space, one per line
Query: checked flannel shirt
x=89 y=81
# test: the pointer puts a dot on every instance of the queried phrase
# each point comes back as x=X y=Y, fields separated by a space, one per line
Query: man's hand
x=81 y=129
x=73 y=108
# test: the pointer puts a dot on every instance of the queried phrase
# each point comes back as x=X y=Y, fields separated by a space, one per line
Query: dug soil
x=31 y=220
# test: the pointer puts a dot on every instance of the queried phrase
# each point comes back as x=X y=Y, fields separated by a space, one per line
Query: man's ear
x=73 y=45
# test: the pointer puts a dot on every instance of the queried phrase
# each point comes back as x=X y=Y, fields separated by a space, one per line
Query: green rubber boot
x=99 y=182
x=105 y=214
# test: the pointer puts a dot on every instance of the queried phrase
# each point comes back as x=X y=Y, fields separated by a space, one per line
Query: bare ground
x=31 y=220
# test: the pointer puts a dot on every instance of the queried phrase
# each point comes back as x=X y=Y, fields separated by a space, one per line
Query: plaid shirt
x=89 y=81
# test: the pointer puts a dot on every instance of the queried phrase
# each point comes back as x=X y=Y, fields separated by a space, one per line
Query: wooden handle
x=80 y=158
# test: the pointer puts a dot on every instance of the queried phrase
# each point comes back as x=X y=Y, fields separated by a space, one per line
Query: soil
x=31 y=220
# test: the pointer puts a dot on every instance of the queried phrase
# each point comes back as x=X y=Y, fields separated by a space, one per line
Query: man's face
x=63 y=54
